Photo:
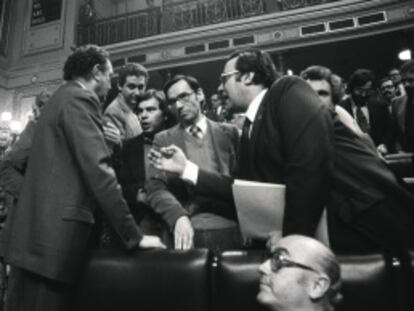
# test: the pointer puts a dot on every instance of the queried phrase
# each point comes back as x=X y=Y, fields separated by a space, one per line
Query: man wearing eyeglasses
x=195 y=220
x=291 y=137
x=300 y=274
x=370 y=113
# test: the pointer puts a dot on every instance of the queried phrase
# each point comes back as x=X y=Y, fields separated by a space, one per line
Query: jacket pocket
x=78 y=214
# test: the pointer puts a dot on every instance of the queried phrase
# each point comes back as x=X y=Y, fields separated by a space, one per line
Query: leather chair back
x=366 y=284
x=237 y=281
x=154 y=280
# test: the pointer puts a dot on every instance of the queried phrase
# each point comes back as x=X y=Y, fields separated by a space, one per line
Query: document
x=260 y=208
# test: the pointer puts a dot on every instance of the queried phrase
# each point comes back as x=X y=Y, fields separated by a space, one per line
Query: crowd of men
x=155 y=170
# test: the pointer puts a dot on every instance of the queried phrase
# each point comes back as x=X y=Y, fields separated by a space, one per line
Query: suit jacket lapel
x=257 y=123
x=219 y=143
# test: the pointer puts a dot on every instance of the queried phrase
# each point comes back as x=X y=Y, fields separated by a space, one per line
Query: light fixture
x=16 y=126
x=6 y=116
x=289 y=72
x=404 y=55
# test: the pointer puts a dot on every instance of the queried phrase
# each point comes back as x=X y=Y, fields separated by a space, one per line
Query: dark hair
x=332 y=269
x=407 y=67
x=258 y=62
x=359 y=78
x=159 y=96
x=191 y=81
x=81 y=62
x=131 y=69
x=323 y=73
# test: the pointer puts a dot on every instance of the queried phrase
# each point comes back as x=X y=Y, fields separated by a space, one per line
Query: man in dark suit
x=369 y=111
x=296 y=140
x=154 y=116
x=68 y=178
x=199 y=221
x=407 y=72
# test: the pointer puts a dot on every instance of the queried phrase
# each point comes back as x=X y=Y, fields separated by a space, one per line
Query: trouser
x=30 y=292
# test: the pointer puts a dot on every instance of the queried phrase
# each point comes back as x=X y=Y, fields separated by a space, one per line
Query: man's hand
x=151 y=241
x=382 y=149
x=170 y=159
x=112 y=134
x=183 y=233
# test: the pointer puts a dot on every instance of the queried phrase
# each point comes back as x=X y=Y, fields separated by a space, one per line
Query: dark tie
x=196 y=131
x=245 y=150
x=362 y=120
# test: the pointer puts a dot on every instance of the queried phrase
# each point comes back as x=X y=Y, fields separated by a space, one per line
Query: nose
x=178 y=104
x=265 y=267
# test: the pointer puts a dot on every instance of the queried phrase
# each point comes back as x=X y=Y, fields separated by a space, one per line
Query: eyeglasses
x=226 y=75
x=279 y=261
x=184 y=97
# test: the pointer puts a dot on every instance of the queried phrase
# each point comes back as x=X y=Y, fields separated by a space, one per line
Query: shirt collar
x=254 y=106
x=201 y=123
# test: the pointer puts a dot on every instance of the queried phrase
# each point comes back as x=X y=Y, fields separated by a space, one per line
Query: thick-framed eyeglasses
x=226 y=75
x=184 y=97
x=278 y=261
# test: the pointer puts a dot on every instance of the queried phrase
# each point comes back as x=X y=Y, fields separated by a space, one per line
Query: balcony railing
x=179 y=16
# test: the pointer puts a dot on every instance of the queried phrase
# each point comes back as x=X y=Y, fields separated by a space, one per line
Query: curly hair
x=81 y=62
x=317 y=72
x=359 y=78
x=258 y=62
x=132 y=69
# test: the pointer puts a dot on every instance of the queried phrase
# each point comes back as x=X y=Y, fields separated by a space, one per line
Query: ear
x=95 y=72
x=318 y=287
x=247 y=78
x=200 y=95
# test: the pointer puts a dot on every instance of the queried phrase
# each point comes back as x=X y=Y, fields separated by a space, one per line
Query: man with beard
x=407 y=72
x=290 y=137
x=369 y=112
x=68 y=178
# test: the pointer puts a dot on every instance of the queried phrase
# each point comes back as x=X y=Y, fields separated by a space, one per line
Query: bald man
x=300 y=274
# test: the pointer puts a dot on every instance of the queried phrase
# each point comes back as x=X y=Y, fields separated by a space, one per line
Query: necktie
x=196 y=132
x=245 y=150
x=361 y=120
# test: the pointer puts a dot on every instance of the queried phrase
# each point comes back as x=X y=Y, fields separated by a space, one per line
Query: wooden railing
x=178 y=16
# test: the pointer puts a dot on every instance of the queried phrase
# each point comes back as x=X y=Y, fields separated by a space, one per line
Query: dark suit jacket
x=295 y=141
x=67 y=178
x=169 y=196
x=291 y=143
x=380 y=121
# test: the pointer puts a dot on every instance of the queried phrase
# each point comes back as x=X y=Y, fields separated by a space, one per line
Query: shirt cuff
x=190 y=173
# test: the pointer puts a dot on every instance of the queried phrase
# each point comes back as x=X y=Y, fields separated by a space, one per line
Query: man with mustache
x=369 y=112
x=300 y=274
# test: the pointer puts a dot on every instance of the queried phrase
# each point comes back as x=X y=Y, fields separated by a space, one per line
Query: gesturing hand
x=170 y=159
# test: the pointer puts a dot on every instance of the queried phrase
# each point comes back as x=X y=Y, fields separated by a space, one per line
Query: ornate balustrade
x=177 y=16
